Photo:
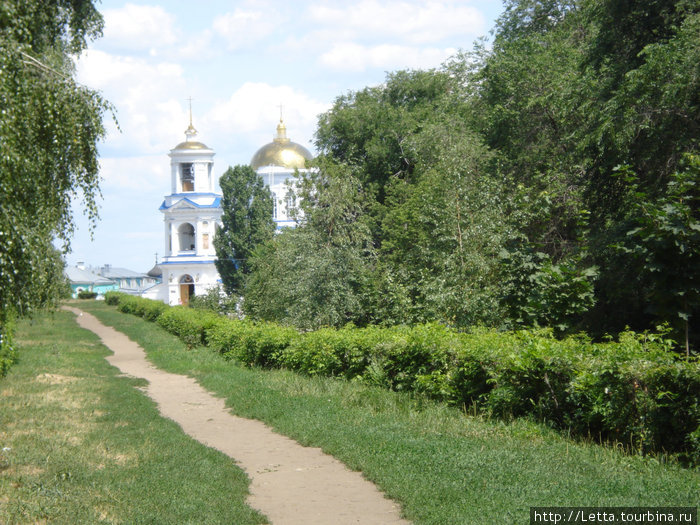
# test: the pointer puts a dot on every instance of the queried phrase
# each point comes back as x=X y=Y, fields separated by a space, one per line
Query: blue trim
x=215 y=204
x=193 y=194
x=189 y=262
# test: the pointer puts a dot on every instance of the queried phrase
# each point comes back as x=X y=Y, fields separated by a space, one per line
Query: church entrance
x=186 y=289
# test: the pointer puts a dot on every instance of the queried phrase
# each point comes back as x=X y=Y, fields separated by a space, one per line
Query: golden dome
x=191 y=144
x=281 y=152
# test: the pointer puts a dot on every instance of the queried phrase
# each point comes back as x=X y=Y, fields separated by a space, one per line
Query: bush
x=348 y=352
x=635 y=391
x=254 y=344
x=188 y=324
x=86 y=294
x=113 y=298
x=149 y=309
x=215 y=300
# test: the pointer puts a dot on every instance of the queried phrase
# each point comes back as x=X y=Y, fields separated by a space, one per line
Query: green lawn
x=443 y=466
x=80 y=444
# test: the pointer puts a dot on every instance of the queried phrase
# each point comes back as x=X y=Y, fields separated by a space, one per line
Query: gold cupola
x=281 y=152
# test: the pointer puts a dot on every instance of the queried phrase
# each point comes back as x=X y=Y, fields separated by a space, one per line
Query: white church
x=192 y=211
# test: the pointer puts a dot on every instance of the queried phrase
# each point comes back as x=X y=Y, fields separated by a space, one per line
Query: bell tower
x=191 y=214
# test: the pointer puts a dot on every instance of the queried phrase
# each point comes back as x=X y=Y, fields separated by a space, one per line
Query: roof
x=215 y=204
x=80 y=276
x=191 y=144
x=120 y=273
x=281 y=152
x=156 y=271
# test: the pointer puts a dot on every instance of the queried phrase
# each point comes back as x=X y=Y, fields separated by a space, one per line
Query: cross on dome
x=190 y=132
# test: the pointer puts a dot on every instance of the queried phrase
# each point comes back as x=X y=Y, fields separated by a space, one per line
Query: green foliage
x=636 y=391
x=541 y=293
x=254 y=344
x=346 y=352
x=665 y=237
x=444 y=465
x=246 y=223
x=441 y=234
x=215 y=300
x=316 y=274
x=113 y=297
x=188 y=324
x=86 y=294
x=49 y=128
x=8 y=354
x=570 y=90
x=149 y=309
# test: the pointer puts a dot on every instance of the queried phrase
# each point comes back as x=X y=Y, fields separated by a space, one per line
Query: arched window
x=186 y=236
x=187 y=176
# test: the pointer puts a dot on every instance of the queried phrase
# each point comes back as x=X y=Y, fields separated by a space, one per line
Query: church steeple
x=190 y=135
x=190 y=132
x=191 y=163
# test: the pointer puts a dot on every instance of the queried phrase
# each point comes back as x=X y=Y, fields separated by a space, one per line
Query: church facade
x=192 y=211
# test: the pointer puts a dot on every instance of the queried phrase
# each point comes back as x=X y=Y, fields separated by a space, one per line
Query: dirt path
x=290 y=484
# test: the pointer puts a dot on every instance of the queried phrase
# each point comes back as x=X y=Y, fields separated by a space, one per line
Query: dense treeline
x=552 y=179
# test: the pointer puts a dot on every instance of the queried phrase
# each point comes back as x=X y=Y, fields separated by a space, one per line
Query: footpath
x=290 y=484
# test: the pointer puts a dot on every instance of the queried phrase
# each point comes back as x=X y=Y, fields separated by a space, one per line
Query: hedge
x=635 y=391
x=188 y=324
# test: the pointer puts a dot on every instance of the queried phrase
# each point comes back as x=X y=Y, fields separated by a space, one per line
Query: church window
x=274 y=205
x=187 y=176
x=186 y=236
x=205 y=241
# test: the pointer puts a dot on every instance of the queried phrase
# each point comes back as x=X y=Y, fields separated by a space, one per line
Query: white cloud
x=144 y=95
x=251 y=115
x=356 y=57
x=198 y=46
x=407 y=22
x=139 y=27
x=244 y=28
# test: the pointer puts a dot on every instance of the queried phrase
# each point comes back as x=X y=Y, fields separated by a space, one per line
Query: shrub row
x=635 y=391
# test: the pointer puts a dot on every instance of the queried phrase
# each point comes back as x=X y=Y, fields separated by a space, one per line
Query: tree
x=570 y=90
x=368 y=131
x=442 y=234
x=49 y=129
x=665 y=238
x=317 y=274
x=246 y=223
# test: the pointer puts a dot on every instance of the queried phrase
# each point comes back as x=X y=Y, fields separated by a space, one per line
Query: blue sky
x=239 y=61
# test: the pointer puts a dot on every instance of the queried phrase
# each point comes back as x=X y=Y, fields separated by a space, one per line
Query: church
x=192 y=211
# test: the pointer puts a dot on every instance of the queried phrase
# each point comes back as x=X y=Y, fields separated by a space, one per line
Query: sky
x=239 y=62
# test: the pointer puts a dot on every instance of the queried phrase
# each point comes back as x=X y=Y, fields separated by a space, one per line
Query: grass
x=81 y=444
x=443 y=466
